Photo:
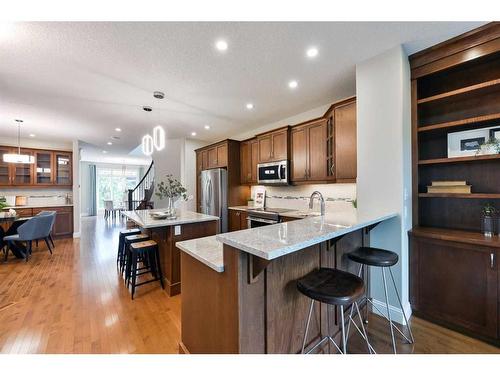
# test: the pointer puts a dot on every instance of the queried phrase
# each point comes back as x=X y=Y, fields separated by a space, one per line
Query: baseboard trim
x=76 y=234
x=396 y=312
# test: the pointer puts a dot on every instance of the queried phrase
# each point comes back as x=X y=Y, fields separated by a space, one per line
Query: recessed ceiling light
x=293 y=84
x=312 y=52
x=207 y=127
x=32 y=135
x=221 y=45
x=104 y=152
x=249 y=105
x=110 y=143
x=118 y=129
x=193 y=134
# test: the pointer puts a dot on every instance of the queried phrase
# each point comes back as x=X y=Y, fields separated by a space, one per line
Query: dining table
x=13 y=221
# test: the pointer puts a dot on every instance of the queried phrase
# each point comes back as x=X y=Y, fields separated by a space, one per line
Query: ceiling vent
x=158 y=95
x=147 y=108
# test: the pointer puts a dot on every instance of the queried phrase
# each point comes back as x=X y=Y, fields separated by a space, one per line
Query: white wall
x=384 y=154
x=179 y=159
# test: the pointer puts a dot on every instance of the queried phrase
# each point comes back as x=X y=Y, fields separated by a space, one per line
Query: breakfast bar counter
x=239 y=295
x=167 y=232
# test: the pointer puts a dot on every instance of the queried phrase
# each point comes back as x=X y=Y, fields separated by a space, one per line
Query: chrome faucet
x=321 y=200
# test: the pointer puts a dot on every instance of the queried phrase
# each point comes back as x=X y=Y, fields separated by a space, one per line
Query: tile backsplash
x=337 y=196
x=37 y=197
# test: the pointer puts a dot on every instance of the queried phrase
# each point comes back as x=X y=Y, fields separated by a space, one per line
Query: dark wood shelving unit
x=463 y=159
x=460 y=123
x=460 y=196
x=450 y=258
x=492 y=84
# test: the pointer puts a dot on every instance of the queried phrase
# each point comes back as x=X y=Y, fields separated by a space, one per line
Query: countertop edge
x=173 y=223
x=197 y=256
x=302 y=245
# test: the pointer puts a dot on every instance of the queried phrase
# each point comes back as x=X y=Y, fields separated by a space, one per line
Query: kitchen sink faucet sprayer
x=321 y=200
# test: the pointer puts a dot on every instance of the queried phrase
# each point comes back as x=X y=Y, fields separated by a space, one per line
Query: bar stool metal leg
x=344 y=343
x=307 y=326
x=412 y=340
x=388 y=311
x=367 y=292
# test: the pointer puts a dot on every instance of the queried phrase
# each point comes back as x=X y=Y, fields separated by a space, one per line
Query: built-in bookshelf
x=462 y=97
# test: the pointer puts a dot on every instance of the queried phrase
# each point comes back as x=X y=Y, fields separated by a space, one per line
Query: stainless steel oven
x=274 y=173
x=264 y=216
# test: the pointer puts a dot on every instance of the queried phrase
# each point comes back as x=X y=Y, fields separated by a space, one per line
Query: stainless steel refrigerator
x=214 y=195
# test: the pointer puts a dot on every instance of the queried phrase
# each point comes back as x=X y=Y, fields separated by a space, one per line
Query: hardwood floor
x=75 y=302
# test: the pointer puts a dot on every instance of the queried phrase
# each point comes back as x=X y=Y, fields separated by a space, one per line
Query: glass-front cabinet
x=5 y=168
x=43 y=168
x=23 y=173
x=50 y=168
x=63 y=168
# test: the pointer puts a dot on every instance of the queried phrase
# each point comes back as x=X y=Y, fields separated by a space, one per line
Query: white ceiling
x=81 y=80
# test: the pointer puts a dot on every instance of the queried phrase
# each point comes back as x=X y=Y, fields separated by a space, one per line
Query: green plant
x=492 y=143
x=3 y=203
x=355 y=203
x=489 y=210
x=171 y=188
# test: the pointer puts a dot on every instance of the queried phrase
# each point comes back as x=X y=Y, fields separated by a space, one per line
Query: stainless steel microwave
x=274 y=173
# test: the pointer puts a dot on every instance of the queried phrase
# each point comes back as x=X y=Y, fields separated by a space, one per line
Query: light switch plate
x=177 y=230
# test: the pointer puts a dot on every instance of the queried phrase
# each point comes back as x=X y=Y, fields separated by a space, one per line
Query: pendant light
x=19 y=158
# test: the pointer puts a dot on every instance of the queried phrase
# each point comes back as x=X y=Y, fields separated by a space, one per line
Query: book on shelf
x=448 y=183
x=452 y=189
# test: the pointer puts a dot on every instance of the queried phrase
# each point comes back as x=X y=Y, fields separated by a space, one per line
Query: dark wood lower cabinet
x=455 y=284
x=237 y=220
x=63 y=226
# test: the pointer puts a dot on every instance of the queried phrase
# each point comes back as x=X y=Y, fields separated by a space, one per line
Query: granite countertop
x=39 y=206
x=272 y=241
x=207 y=250
x=240 y=208
x=298 y=214
x=144 y=220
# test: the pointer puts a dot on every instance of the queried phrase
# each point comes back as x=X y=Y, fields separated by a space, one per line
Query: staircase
x=139 y=198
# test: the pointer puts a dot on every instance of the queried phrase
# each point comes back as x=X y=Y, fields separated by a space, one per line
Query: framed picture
x=495 y=133
x=260 y=197
x=468 y=143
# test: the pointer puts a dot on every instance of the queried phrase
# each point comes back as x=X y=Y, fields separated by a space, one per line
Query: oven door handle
x=260 y=220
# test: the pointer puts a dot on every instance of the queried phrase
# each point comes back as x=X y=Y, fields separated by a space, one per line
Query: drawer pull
x=492 y=260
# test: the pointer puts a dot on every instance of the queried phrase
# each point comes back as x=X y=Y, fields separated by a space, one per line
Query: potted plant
x=491 y=146
x=171 y=189
x=488 y=222
x=250 y=202
x=3 y=203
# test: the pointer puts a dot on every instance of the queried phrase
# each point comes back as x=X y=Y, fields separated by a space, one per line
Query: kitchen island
x=167 y=232
x=239 y=291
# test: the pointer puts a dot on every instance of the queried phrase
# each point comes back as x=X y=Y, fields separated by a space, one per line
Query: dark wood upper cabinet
x=204 y=158
x=50 y=168
x=273 y=146
x=245 y=162
x=222 y=155
x=5 y=168
x=212 y=157
x=63 y=168
x=345 y=142
x=299 y=154
x=249 y=158
x=254 y=160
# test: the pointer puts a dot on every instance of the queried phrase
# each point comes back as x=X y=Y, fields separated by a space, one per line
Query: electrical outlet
x=177 y=230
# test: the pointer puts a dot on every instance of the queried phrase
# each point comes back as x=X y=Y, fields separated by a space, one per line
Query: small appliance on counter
x=21 y=200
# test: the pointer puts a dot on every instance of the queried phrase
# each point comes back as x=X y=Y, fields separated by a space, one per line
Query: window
x=113 y=184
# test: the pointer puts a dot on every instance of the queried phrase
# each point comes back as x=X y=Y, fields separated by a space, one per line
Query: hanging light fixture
x=19 y=158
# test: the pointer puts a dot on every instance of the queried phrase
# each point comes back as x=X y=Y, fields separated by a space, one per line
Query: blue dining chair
x=36 y=228
x=53 y=215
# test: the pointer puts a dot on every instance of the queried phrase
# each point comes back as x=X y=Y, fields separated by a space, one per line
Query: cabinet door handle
x=305 y=173
x=492 y=260
x=331 y=169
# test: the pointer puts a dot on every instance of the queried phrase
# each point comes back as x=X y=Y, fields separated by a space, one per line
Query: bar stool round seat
x=385 y=259
x=332 y=286
x=372 y=256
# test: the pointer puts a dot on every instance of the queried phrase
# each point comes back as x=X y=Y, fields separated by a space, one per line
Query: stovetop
x=267 y=213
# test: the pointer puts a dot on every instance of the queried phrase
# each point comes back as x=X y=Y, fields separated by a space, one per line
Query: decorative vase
x=488 y=226
x=170 y=207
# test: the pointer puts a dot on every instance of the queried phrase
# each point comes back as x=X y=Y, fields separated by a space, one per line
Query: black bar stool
x=120 y=258
x=334 y=287
x=371 y=256
x=145 y=250
x=126 y=259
